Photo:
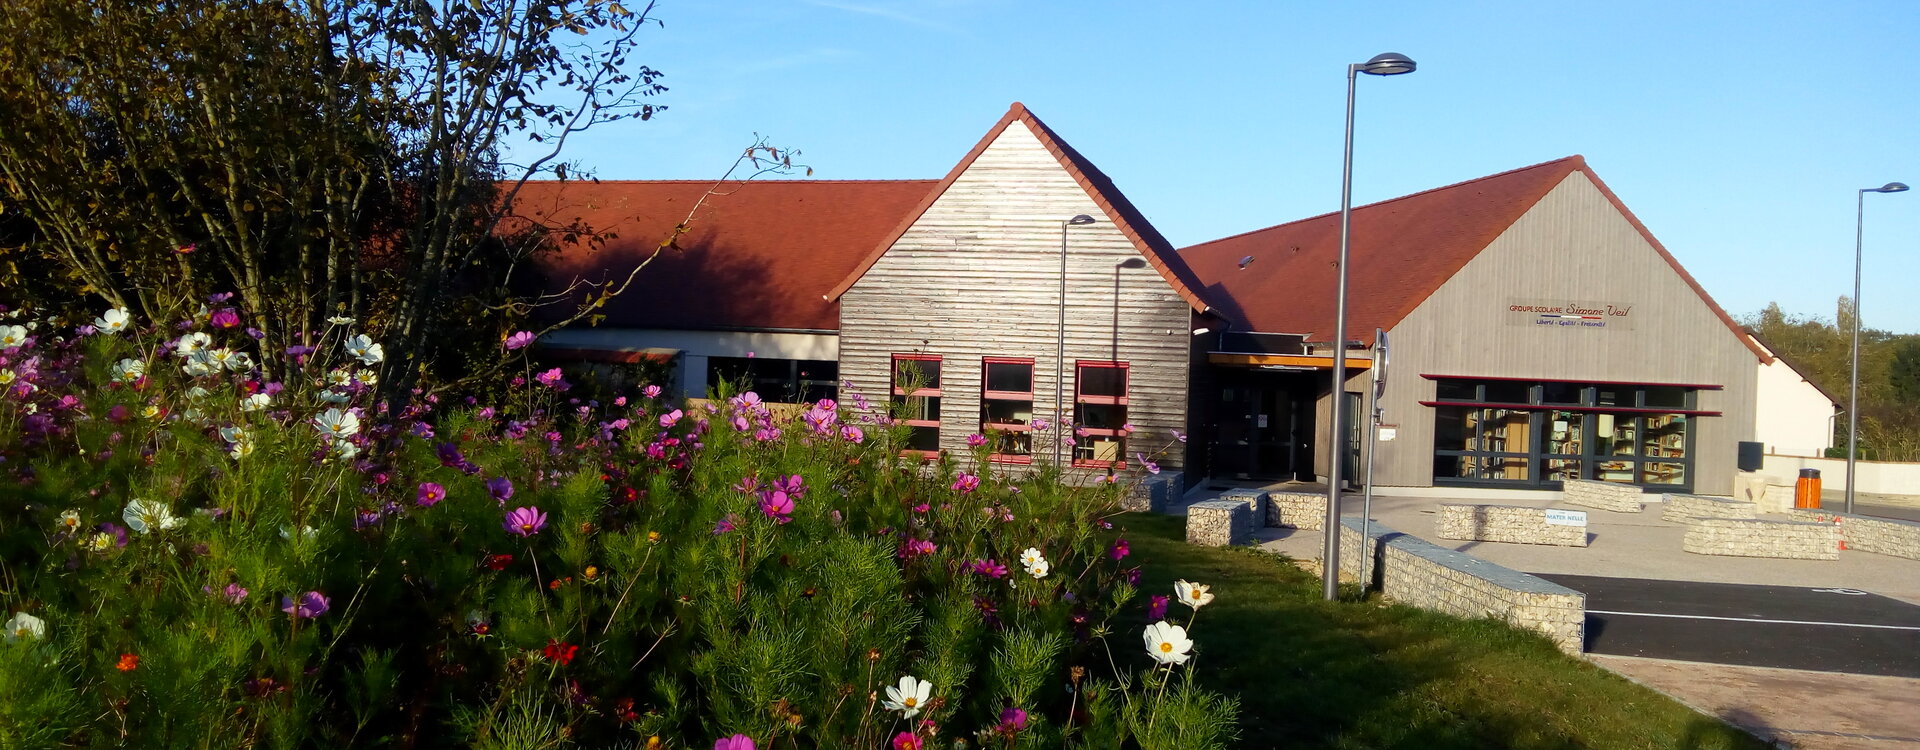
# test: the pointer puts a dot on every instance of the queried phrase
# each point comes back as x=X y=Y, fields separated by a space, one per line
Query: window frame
x=899 y=395
x=1124 y=401
x=1629 y=408
x=989 y=428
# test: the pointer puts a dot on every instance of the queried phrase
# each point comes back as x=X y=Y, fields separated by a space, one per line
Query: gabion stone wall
x=1679 y=508
x=1418 y=573
x=1297 y=510
x=1736 y=537
x=1512 y=524
x=1219 y=523
x=1881 y=536
x=1622 y=498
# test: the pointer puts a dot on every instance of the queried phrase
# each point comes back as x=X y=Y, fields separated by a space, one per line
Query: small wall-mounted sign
x=1566 y=517
x=1388 y=431
x=1569 y=313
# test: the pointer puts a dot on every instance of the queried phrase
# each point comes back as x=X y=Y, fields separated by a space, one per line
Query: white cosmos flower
x=150 y=411
x=909 y=696
x=1168 y=643
x=256 y=402
x=144 y=516
x=221 y=357
x=70 y=519
x=234 y=435
x=1192 y=594
x=24 y=626
x=345 y=449
x=129 y=370
x=196 y=393
x=191 y=343
x=240 y=362
x=340 y=320
x=332 y=397
x=366 y=377
x=240 y=449
x=1032 y=555
x=1039 y=570
x=198 y=364
x=7 y=377
x=369 y=353
x=336 y=423
x=339 y=376
x=12 y=336
x=114 y=321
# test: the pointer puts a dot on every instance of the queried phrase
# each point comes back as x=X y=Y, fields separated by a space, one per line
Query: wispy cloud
x=889 y=11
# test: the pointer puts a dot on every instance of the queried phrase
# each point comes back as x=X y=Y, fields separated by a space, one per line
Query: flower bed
x=200 y=551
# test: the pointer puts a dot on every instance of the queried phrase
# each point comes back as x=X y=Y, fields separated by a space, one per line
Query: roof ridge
x=1579 y=163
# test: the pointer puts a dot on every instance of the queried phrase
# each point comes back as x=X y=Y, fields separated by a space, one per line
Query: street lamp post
x=1384 y=64
x=1060 y=344
x=1853 y=379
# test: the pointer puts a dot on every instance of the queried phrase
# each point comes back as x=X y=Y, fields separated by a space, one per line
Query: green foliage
x=694 y=576
x=1822 y=352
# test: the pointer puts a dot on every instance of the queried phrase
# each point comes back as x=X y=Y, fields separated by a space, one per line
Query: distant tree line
x=1821 y=349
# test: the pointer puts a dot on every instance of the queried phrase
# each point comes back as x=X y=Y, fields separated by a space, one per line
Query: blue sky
x=1738 y=132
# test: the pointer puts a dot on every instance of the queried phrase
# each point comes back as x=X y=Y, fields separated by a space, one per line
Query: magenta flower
x=430 y=493
x=312 y=604
x=791 y=484
x=748 y=485
x=233 y=593
x=990 y=568
x=525 y=522
x=916 y=548
x=852 y=434
x=519 y=340
x=1152 y=468
x=1180 y=436
x=225 y=317
x=723 y=526
x=670 y=418
x=552 y=379
x=1119 y=550
x=777 y=505
x=1013 y=720
x=501 y=488
x=1157 y=608
x=906 y=741
x=976 y=440
x=1040 y=425
x=966 y=482
x=736 y=742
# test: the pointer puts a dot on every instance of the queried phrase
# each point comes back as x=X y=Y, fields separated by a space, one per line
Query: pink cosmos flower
x=747 y=485
x=916 y=548
x=1040 y=425
x=225 y=317
x=791 y=484
x=966 y=482
x=1180 y=436
x=525 y=522
x=312 y=604
x=430 y=493
x=552 y=379
x=1012 y=720
x=1157 y=608
x=852 y=434
x=736 y=742
x=777 y=505
x=501 y=488
x=1119 y=550
x=519 y=339
x=723 y=526
x=651 y=391
x=1152 y=468
x=906 y=741
x=233 y=593
x=976 y=440
x=990 y=568
x=670 y=418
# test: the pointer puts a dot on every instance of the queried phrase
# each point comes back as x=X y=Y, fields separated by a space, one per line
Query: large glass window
x=1513 y=432
x=916 y=398
x=786 y=381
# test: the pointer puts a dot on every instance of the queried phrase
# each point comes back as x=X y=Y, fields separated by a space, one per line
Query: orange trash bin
x=1806 y=490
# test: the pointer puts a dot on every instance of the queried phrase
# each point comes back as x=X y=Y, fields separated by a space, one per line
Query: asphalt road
x=1820 y=629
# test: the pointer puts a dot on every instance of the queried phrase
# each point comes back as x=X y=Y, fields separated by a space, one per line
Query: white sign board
x=1387 y=432
x=1566 y=517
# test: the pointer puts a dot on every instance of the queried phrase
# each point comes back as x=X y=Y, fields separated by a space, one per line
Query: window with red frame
x=1006 y=407
x=1099 y=413
x=916 y=398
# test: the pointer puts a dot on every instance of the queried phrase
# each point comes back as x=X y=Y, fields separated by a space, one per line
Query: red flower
x=560 y=651
x=629 y=494
x=623 y=710
x=496 y=562
x=128 y=663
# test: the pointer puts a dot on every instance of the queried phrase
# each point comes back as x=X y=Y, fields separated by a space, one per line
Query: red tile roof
x=1401 y=251
x=757 y=255
x=1158 y=253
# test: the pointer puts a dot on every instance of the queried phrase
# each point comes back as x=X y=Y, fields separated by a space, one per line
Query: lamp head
x=1387 y=64
x=1891 y=187
x=1080 y=220
x=1133 y=263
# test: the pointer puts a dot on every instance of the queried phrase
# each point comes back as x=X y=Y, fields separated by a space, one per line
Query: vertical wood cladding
x=978 y=275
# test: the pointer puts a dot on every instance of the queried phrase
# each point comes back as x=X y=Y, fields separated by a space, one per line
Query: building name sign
x=1569 y=314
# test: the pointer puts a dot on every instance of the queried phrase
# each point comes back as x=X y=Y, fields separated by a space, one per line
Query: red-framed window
x=1099 y=413
x=1006 y=407
x=916 y=399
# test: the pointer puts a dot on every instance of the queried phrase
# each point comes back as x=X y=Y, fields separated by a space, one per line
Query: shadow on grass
x=1363 y=674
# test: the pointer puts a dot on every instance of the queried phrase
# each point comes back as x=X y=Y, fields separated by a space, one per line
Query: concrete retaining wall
x=1416 y=572
x=1881 y=536
x=1679 y=508
x=1219 y=523
x=1623 y=498
x=1736 y=537
x=1513 y=524
x=1297 y=510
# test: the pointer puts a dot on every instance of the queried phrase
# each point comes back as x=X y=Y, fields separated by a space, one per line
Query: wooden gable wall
x=978 y=276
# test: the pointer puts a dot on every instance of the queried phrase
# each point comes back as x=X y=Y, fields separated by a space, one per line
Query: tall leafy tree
x=320 y=157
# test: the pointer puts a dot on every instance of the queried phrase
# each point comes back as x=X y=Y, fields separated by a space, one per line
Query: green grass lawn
x=1310 y=674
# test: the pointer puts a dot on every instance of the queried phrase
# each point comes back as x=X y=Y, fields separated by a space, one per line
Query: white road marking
x=1915 y=628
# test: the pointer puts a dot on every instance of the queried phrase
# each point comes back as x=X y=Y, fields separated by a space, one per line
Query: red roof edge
x=1752 y=345
x=1152 y=246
